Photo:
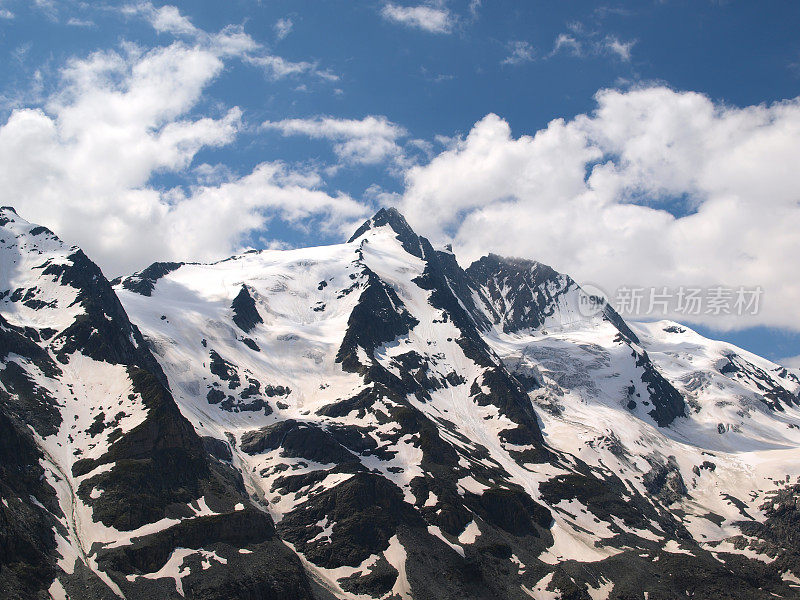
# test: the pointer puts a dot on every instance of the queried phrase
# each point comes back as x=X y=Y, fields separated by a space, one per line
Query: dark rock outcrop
x=144 y=282
x=245 y=313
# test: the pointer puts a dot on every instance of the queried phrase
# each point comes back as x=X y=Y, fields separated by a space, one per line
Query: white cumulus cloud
x=793 y=362
x=654 y=188
x=85 y=160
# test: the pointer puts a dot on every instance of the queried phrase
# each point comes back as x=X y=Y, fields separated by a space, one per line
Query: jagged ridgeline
x=372 y=420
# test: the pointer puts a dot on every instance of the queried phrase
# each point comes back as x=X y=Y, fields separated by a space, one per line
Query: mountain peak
x=385 y=216
x=7 y=214
x=531 y=270
x=392 y=218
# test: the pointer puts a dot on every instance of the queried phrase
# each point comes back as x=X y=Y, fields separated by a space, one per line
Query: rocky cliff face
x=370 y=420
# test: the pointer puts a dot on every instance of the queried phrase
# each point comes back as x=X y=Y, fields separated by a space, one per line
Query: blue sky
x=288 y=122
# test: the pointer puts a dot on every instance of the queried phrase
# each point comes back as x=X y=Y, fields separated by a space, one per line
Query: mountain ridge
x=378 y=422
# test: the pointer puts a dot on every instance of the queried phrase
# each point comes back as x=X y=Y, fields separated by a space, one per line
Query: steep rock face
x=668 y=404
x=103 y=331
x=524 y=295
x=27 y=543
x=97 y=459
x=379 y=317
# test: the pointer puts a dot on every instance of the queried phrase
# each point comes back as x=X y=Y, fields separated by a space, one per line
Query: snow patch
x=470 y=533
x=395 y=554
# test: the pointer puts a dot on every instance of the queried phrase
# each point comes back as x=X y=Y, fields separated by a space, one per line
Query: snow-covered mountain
x=370 y=420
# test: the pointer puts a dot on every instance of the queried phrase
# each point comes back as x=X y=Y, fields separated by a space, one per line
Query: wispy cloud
x=603 y=12
x=283 y=27
x=21 y=52
x=577 y=42
x=435 y=77
x=230 y=41
x=794 y=65
x=580 y=42
x=567 y=42
x=612 y=45
x=520 y=52
x=76 y=22
x=370 y=140
x=277 y=67
x=432 y=19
